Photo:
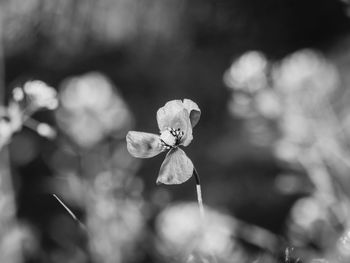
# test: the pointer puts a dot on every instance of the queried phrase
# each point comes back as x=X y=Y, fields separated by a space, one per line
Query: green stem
x=199 y=192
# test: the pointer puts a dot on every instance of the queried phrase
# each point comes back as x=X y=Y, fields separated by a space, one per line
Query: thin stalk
x=41 y=128
x=199 y=192
x=70 y=212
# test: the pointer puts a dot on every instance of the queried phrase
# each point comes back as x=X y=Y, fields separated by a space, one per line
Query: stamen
x=177 y=136
x=165 y=146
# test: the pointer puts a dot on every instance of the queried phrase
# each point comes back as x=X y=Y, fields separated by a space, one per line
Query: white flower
x=180 y=229
x=41 y=95
x=175 y=121
x=247 y=73
x=18 y=94
x=92 y=108
x=306 y=78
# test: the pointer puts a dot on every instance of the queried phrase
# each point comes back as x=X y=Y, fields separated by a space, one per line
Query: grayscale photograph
x=174 y=131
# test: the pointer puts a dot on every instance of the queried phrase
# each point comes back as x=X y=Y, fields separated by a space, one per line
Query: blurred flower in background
x=306 y=79
x=101 y=178
x=92 y=109
x=248 y=72
x=40 y=95
x=297 y=105
x=247 y=76
x=35 y=95
x=252 y=97
x=17 y=242
x=185 y=236
x=115 y=220
x=309 y=222
x=183 y=233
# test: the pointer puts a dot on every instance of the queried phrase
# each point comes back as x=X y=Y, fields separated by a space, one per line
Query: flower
x=179 y=231
x=39 y=94
x=306 y=80
x=91 y=109
x=175 y=121
x=248 y=73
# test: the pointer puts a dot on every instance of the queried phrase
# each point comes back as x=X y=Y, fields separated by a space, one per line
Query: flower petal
x=193 y=110
x=169 y=113
x=143 y=145
x=177 y=168
x=188 y=137
x=175 y=115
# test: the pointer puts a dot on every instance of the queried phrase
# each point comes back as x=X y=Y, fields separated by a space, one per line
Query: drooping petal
x=188 y=137
x=143 y=145
x=177 y=168
x=193 y=110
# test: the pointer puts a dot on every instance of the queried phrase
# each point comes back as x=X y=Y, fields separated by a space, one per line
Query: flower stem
x=199 y=193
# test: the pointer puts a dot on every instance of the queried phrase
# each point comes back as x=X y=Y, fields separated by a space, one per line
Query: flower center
x=171 y=138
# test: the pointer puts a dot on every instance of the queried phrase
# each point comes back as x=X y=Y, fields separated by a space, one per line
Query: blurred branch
x=9 y=252
x=6 y=190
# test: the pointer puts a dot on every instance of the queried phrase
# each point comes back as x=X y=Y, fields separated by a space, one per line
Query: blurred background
x=271 y=79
